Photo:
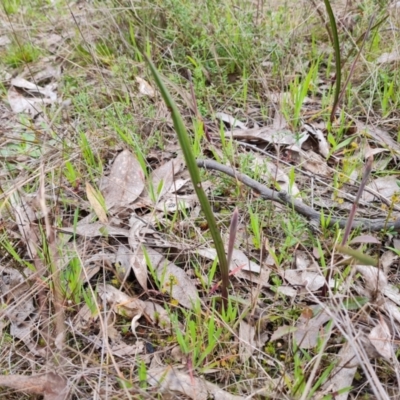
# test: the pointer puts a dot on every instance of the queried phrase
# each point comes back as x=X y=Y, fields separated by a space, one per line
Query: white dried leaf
x=381 y=339
x=240 y=261
x=83 y=317
x=123 y=349
x=171 y=203
x=279 y=121
x=157 y=314
x=392 y=293
x=144 y=87
x=380 y=135
x=323 y=145
x=315 y=163
x=19 y=103
x=266 y=134
x=308 y=279
x=173 y=279
x=365 y=239
x=247 y=342
x=392 y=310
x=304 y=261
x=273 y=175
x=37 y=96
x=123 y=261
x=386 y=186
x=241 y=273
x=372 y=152
x=178 y=185
x=138 y=264
x=163 y=177
x=287 y=290
x=96 y=229
x=387 y=58
x=375 y=279
x=125 y=182
x=94 y=200
x=233 y=122
x=4 y=40
x=282 y=331
x=168 y=379
x=24 y=217
x=387 y=259
x=342 y=375
x=310 y=330
x=122 y=304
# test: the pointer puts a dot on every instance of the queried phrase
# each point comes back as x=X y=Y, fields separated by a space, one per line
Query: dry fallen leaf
x=25 y=217
x=125 y=182
x=365 y=239
x=307 y=273
x=168 y=379
x=239 y=261
x=308 y=279
x=386 y=186
x=342 y=375
x=173 y=280
x=374 y=278
x=139 y=267
x=233 y=122
x=274 y=175
x=380 y=135
x=381 y=339
x=163 y=177
x=315 y=163
x=96 y=229
x=144 y=87
x=387 y=58
x=282 y=331
x=51 y=386
x=94 y=200
x=323 y=146
x=247 y=342
x=157 y=314
x=35 y=98
x=266 y=134
x=310 y=330
x=19 y=307
x=122 y=304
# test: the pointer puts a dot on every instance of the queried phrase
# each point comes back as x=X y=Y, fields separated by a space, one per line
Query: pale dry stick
x=316 y=365
x=54 y=268
x=314 y=177
x=367 y=172
x=285 y=199
x=345 y=328
x=18 y=184
x=103 y=327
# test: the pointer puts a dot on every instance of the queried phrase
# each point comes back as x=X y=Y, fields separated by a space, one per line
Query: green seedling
x=11 y=6
x=142 y=374
x=255 y=227
x=151 y=268
x=93 y=162
x=71 y=174
x=298 y=92
x=21 y=54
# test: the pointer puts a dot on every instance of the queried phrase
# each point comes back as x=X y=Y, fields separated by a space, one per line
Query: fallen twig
x=298 y=206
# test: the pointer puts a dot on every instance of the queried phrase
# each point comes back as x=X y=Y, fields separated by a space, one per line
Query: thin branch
x=298 y=206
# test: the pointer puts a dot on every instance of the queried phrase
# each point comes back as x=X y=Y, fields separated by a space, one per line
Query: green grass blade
x=336 y=47
x=187 y=150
